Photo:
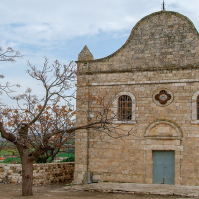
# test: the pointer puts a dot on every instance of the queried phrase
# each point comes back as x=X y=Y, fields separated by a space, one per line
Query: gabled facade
x=155 y=74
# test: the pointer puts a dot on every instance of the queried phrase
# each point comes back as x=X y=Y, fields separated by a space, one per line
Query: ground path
x=8 y=191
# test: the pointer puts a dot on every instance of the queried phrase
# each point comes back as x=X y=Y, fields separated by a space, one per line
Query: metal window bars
x=124 y=108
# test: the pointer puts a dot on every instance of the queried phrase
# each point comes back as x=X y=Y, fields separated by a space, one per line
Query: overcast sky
x=59 y=29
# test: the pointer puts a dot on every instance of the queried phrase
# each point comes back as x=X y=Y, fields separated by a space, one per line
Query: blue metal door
x=164 y=167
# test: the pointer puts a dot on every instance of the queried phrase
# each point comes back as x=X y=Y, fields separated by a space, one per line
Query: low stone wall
x=42 y=173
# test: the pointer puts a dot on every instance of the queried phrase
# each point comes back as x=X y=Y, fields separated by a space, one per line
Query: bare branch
x=9 y=54
x=40 y=127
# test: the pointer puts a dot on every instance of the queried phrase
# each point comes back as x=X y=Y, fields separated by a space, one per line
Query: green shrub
x=9 y=152
x=12 y=160
x=42 y=159
x=65 y=155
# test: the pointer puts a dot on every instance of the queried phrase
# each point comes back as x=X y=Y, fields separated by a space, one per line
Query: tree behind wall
x=37 y=126
x=40 y=125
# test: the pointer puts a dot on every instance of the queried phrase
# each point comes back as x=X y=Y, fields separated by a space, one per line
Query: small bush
x=65 y=155
x=12 y=161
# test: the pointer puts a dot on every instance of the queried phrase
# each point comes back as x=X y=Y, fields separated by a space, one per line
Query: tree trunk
x=27 y=176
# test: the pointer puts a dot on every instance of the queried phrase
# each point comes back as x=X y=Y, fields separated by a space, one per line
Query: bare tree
x=39 y=126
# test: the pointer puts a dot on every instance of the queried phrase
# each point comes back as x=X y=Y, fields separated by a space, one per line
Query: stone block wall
x=42 y=173
x=161 y=54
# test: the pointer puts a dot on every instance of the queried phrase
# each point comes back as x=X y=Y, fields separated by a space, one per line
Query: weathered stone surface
x=135 y=188
x=42 y=173
x=161 y=53
x=85 y=54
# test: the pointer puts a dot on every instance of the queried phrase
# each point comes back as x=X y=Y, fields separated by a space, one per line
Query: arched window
x=197 y=105
x=124 y=108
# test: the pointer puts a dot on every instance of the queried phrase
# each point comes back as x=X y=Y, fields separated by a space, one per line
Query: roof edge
x=136 y=26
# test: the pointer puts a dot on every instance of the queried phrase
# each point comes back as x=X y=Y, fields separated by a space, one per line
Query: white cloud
x=49 y=20
x=49 y=24
x=60 y=29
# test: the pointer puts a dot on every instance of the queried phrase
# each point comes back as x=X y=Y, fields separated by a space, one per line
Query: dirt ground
x=8 y=191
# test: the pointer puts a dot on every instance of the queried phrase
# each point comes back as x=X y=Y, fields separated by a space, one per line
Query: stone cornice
x=180 y=81
x=132 y=70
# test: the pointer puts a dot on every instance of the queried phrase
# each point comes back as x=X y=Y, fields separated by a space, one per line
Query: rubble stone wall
x=42 y=173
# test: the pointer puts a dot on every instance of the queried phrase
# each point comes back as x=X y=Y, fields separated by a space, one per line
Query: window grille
x=125 y=108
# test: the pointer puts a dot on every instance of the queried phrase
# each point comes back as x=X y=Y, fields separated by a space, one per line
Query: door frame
x=162 y=145
x=158 y=141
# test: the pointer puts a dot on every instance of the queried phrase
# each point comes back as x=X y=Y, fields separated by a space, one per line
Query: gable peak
x=85 y=54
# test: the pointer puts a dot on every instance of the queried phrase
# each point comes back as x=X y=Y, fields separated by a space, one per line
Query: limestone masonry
x=153 y=81
x=42 y=173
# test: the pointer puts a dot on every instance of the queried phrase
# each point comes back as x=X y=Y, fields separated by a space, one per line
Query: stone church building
x=154 y=81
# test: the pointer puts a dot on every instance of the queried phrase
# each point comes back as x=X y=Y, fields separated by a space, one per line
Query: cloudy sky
x=59 y=29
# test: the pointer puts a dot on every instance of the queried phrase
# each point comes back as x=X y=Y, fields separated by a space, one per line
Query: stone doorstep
x=139 y=189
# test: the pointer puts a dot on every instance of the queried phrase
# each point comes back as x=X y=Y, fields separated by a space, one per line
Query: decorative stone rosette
x=163 y=97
